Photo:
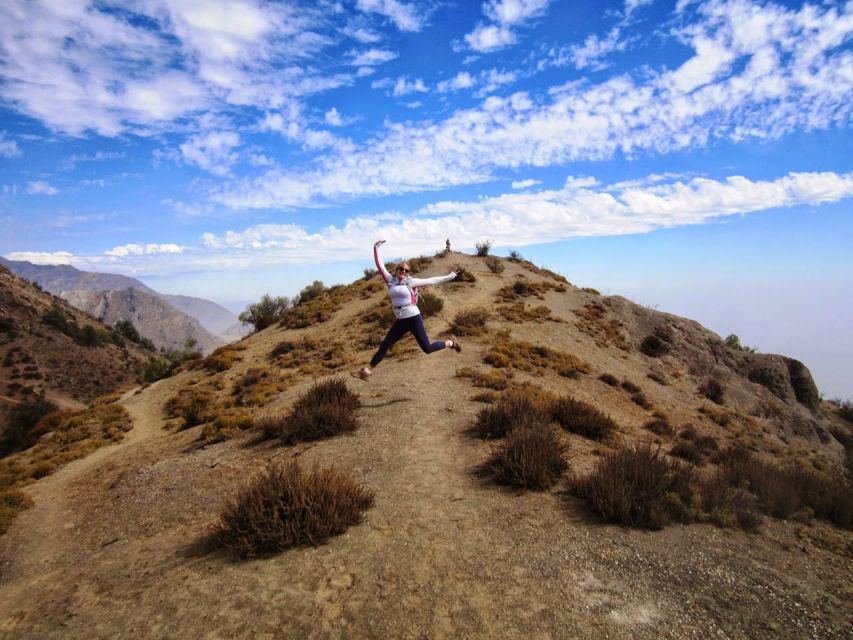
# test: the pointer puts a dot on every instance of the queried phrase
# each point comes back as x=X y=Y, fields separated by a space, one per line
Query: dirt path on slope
x=40 y=540
x=442 y=554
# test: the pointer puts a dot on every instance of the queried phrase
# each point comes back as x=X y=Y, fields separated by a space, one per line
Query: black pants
x=414 y=325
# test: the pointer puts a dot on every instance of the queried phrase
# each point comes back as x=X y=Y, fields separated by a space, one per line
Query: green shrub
x=531 y=457
x=309 y=292
x=155 y=369
x=266 y=312
x=285 y=507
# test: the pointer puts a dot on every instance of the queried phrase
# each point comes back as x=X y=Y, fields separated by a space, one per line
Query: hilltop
x=118 y=542
x=167 y=320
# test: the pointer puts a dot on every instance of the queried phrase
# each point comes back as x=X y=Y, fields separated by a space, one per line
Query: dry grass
x=519 y=312
x=317 y=309
x=312 y=357
x=595 y=321
x=66 y=436
x=524 y=288
x=531 y=457
x=327 y=409
x=429 y=304
x=471 y=322
x=637 y=487
x=256 y=388
x=194 y=406
x=221 y=359
x=285 y=507
x=609 y=379
x=506 y=353
x=659 y=425
x=226 y=427
x=582 y=418
x=517 y=407
x=495 y=265
x=713 y=390
x=720 y=416
x=497 y=380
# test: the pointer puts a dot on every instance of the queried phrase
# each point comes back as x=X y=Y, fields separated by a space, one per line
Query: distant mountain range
x=167 y=320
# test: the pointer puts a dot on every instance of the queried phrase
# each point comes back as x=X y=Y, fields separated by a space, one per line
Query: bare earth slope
x=115 y=544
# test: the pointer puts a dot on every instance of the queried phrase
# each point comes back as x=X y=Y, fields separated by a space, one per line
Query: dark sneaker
x=456 y=346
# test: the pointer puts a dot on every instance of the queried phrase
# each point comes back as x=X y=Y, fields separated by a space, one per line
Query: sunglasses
x=402 y=270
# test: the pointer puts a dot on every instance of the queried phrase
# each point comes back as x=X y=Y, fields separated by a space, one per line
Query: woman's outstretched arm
x=425 y=282
x=380 y=265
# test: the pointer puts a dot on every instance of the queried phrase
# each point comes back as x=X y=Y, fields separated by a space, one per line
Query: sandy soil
x=115 y=546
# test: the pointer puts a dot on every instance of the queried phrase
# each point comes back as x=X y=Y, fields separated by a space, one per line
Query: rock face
x=156 y=320
x=216 y=322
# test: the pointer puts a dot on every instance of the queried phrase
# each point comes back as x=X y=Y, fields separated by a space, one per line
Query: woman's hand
x=378 y=242
x=453 y=273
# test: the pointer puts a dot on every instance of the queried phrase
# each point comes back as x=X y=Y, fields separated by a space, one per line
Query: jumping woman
x=403 y=289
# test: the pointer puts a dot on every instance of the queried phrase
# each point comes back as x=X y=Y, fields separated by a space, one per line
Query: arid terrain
x=118 y=544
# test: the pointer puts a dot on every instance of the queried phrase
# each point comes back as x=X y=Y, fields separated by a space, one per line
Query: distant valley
x=169 y=321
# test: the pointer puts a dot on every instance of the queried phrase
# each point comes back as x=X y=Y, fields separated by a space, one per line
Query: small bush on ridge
x=483 y=248
x=285 y=507
x=326 y=409
x=531 y=457
x=494 y=264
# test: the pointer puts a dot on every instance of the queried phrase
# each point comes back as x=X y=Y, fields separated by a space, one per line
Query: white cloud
x=82 y=66
x=512 y=12
x=582 y=207
x=490 y=37
x=143 y=250
x=462 y=80
x=42 y=257
x=40 y=187
x=8 y=148
x=365 y=36
x=404 y=87
x=212 y=152
x=493 y=79
x=523 y=184
x=371 y=57
x=333 y=118
x=504 y=14
x=289 y=125
x=405 y=16
x=593 y=49
x=756 y=72
x=632 y=5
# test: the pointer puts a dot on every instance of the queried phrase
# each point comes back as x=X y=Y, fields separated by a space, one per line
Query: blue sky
x=694 y=156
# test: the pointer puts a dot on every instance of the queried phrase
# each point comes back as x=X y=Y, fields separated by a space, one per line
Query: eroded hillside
x=444 y=552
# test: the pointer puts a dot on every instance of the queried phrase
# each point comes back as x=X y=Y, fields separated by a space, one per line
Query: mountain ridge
x=444 y=552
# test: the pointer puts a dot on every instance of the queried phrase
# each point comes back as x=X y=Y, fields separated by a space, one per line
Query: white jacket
x=403 y=292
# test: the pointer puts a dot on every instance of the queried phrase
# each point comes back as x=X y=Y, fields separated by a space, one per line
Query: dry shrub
x=310 y=356
x=486 y=397
x=221 y=359
x=471 y=322
x=520 y=312
x=658 y=343
x=783 y=491
x=12 y=502
x=429 y=304
x=630 y=387
x=495 y=265
x=659 y=425
x=285 y=507
x=505 y=353
x=609 y=379
x=463 y=275
x=498 y=380
x=719 y=416
x=225 y=427
x=845 y=409
x=327 y=409
x=637 y=487
x=531 y=457
x=657 y=377
x=517 y=407
x=523 y=288
x=270 y=426
x=582 y=418
x=713 y=390
x=317 y=308
x=483 y=248
x=640 y=399
x=687 y=450
x=595 y=321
